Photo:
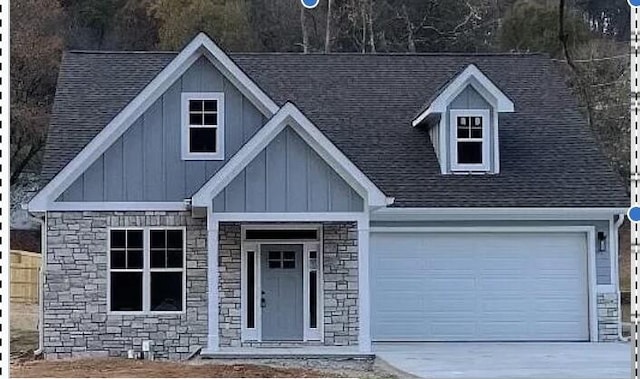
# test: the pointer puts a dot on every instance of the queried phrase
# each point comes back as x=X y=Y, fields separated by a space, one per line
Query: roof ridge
x=386 y=54
x=121 y=52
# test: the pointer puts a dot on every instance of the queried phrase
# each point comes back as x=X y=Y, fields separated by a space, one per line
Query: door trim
x=590 y=235
x=255 y=334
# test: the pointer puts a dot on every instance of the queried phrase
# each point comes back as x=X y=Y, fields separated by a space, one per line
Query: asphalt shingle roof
x=365 y=105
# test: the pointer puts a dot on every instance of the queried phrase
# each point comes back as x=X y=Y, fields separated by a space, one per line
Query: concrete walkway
x=509 y=360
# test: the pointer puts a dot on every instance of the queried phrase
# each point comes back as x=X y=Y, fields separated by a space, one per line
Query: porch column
x=213 y=275
x=364 y=325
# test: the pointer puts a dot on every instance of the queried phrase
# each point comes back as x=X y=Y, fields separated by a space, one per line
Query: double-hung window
x=470 y=140
x=203 y=126
x=147 y=270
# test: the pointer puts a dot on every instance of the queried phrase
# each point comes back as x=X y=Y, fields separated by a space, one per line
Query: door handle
x=263 y=301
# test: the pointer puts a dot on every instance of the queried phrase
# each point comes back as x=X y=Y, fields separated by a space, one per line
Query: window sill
x=469 y=171
x=145 y=313
x=203 y=157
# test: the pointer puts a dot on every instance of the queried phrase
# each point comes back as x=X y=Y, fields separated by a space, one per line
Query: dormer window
x=203 y=126
x=462 y=118
x=470 y=140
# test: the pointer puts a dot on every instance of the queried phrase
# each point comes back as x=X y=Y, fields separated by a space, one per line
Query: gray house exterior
x=220 y=201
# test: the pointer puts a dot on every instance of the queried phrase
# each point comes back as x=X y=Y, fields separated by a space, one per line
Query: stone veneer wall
x=340 y=265
x=229 y=238
x=340 y=279
x=608 y=317
x=76 y=321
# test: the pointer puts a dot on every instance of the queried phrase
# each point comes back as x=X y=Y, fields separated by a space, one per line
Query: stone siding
x=608 y=317
x=340 y=265
x=229 y=284
x=76 y=321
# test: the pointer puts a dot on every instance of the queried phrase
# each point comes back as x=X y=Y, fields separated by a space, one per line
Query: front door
x=282 y=297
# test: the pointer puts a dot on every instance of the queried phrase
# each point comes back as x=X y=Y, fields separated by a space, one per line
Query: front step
x=298 y=351
x=281 y=344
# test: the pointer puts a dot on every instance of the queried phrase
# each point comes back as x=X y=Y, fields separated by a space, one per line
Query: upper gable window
x=203 y=126
x=470 y=140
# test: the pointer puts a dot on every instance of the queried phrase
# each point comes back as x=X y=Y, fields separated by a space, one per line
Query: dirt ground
x=113 y=368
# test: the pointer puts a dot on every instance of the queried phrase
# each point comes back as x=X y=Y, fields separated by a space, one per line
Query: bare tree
x=305 y=33
x=327 y=32
x=372 y=41
x=582 y=86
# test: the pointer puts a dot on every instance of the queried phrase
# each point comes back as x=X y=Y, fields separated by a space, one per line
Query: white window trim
x=486 y=140
x=146 y=271
x=186 y=154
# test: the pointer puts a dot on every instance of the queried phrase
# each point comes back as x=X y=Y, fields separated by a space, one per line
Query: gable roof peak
x=470 y=76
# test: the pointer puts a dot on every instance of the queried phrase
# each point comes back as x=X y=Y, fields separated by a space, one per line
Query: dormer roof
x=470 y=76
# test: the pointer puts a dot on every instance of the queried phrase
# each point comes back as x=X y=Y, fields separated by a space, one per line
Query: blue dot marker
x=634 y=214
x=634 y=3
x=310 y=4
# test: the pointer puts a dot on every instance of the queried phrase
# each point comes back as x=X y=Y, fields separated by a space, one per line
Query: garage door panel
x=479 y=287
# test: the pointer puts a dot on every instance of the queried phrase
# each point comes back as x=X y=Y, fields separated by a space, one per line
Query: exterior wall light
x=602 y=241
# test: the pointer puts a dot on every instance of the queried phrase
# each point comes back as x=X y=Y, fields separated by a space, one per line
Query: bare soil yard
x=113 y=368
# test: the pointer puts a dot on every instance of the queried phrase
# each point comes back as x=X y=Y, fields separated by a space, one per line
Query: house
x=214 y=200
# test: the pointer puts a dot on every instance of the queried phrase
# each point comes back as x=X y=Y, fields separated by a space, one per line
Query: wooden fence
x=24 y=276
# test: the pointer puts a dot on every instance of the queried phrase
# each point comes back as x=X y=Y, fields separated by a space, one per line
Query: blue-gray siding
x=603 y=258
x=145 y=163
x=288 y=176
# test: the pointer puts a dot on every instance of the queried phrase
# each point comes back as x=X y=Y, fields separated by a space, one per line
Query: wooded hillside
x=589 y=36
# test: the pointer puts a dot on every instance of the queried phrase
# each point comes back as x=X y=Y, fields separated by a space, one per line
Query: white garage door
x=479 y=287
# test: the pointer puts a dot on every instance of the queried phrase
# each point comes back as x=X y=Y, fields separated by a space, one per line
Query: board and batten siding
x=603 y=258
x=288 y=176
x=145 y=163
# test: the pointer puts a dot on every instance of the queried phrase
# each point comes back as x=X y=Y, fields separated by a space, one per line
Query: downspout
x=616 y=241
x=42 y=220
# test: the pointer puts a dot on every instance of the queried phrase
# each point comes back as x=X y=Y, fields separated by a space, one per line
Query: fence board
x=24 y=276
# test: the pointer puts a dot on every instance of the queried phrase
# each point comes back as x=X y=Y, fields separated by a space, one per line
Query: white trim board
x=590 y=235
x=288 y=217
x=495 y=214
x=117 y=206
x=480 y=82
x=201 y=45
x=290 y=115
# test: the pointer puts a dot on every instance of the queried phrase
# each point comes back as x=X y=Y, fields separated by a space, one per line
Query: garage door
x=479 y=287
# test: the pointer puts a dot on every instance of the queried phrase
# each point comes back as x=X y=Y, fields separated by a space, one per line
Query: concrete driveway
x=509 y=360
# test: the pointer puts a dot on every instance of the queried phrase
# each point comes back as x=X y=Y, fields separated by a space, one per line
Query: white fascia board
x=474 y=77
x=199 y=46
x=459 y=214
x=117 y=206
x=290 y=115
x=338 y=161
x=305 y=217
x=236 y=76
x=240 y=160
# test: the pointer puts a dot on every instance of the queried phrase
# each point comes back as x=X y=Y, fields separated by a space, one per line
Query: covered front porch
x=291 y=284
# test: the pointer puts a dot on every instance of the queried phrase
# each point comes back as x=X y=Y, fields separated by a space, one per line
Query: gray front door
x=282 y=297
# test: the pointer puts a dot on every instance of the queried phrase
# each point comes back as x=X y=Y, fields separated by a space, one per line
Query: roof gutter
x=453 y=214
x=41 y=218
x=616 y=243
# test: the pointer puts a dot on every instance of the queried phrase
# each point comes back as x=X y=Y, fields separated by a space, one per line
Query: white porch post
x=364 y=324
x=213 y=276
